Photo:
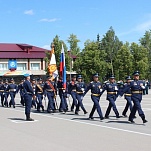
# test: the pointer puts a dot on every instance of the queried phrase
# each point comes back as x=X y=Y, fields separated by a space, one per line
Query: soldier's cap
x=128 y=78
x=74 y=76
x=112 y=77
x=11 y=79
x=96 y=75
x=79 y=77
x=26 y=75
x=136 y=73
x=49 y=76
x=6 y=80
x=33 y=79
x=39 y=79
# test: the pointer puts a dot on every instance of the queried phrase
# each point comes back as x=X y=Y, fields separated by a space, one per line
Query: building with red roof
x=30 y=59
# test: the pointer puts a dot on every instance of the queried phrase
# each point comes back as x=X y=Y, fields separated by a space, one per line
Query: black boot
x=144 y=120
x=28 y=118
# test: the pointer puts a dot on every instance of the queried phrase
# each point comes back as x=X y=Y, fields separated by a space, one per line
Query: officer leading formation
x=34 y=93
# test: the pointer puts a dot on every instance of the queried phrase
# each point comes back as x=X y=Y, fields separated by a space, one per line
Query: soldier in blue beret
x=136 y=87
x=28 y=94
x=96 y=87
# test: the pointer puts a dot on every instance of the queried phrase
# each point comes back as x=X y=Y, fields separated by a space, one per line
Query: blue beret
x=26 y=75
x=136 y=73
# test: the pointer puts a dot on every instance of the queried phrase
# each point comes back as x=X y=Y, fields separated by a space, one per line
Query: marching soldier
x=34 y=99
x=39 y=94
x=6 y=93
x=96 y=87
x=62 y=94
x=20 y=90
x=127 y=96
x=137 y=91
x=28 y=94
x=2 y=92
x=112 y=90
x=12 y=88
x=72 y=91
x=80 y=87
x=50 y=91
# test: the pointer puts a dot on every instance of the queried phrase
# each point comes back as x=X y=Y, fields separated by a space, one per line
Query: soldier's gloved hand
x=81 y=97
x=68 y=95
x=82 y=89
x=64 y=91
x=143 y=87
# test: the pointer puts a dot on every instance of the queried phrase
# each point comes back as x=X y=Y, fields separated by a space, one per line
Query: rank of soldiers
x=35 y=92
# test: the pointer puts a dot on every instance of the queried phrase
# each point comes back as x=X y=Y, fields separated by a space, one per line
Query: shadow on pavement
x=17 y=119
x=123 y=122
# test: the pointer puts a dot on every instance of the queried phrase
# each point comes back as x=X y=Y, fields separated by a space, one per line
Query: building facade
x=29 y=59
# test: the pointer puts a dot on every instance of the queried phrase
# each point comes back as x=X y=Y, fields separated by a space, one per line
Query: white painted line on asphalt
x=18 y=122
x=102 y=126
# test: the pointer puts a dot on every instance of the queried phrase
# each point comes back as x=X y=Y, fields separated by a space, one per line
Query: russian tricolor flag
x=63 y=67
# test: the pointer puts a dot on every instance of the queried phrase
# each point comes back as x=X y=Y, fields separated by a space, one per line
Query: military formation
x=35 y=92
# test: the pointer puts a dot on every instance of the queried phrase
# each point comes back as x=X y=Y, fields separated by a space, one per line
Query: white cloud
x=48 y=20
x=29 y=12
x=143 y=26
x=46 y=47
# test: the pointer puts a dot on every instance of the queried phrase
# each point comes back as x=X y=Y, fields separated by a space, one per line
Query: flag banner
x=63 y=67
x=52 y=67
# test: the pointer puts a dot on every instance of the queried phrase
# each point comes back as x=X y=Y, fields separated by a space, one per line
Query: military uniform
x=72 y=91
x=2 y=92
x=28 y=94
x=34 y=99
x=6 y=93
x=137 y=90
x=20 y=90
x=96 y=88
x=111 y=89
x=50 y=91
x=127 y=96
x=80 y=88
x=62 y=94
x=39 y=94
x=12 y=88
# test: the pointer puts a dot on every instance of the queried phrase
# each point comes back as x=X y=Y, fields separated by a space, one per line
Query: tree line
x=107 y=56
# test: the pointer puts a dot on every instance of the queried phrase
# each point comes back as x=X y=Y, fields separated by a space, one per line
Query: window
x=21 y=66
x=35 y=66
x=3 y=66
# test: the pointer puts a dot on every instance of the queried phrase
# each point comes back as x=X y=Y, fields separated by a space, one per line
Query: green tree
x=123 y=62
x=90 y=61
x=73 y=42
x=146 y=42
x=140 y=59
x=111 y=44
x=58 y=46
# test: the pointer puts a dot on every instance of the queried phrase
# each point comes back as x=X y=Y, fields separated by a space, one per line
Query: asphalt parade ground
x=70 y=132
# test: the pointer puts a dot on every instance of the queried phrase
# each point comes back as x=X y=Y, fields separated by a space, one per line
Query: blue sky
x=36 y=22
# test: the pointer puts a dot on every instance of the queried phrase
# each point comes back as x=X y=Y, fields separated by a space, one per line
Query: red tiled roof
x=14 y=55
x=8 y=50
